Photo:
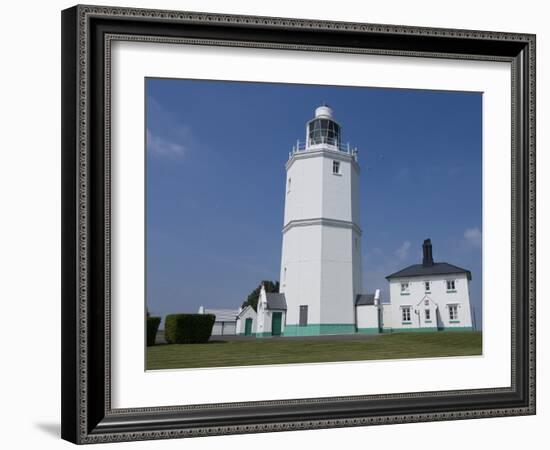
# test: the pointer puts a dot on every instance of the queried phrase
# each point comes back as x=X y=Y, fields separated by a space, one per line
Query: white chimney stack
x=377 y=297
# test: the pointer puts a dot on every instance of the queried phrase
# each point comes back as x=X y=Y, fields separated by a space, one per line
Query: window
x=289 y=184
x=453 y=312
x=451 y=285
x=427 y=286
x=427 y=314
x=324 y=131
x=406 y=313
x=404 y=288
x=284 y=275
x=303 y=315
x=335 y=167
x=356 y=242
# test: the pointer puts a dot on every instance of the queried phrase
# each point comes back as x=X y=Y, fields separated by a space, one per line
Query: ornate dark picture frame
x=87 y=33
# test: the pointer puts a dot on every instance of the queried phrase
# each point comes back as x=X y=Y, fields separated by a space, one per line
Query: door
x=276 y=323
x=303 y=316
x=248 y=327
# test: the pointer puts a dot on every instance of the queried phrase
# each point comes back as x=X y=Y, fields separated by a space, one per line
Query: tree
x=252 y=299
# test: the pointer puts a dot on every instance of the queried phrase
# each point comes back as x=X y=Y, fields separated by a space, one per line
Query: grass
x=280 y=351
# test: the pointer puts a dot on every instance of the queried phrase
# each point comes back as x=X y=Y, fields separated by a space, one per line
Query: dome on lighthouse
x=323 y=129
x=324 y=111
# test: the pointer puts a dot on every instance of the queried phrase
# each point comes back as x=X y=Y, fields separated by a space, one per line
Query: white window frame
x=336 y=167
x=427 y=286
x=406 y=312
x=451 y=285
x=453 y=312
x=427 y=314
x=289 y=185
x=405 y=287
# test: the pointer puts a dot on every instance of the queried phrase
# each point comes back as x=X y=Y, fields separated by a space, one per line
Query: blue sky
x=216 y=182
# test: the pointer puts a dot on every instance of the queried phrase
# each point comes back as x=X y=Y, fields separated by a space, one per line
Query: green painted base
x=368 y=330
x=425 y=329
x=319 y=329
x=326 y=329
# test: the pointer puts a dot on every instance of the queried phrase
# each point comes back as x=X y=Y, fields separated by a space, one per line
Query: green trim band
x=319 y=328
x=426 y=329
x=454 y=321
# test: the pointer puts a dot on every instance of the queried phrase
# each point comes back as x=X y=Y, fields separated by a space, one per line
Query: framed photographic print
x=279 y=224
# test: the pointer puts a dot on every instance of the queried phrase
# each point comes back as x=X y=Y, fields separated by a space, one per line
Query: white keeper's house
x=430 y=296
x=321 y=292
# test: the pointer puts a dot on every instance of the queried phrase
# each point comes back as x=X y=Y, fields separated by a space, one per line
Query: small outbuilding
x=246 y=321
x=226 y=320
x=271 y=318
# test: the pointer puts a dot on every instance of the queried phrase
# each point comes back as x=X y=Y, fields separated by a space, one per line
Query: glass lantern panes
x=323 y=131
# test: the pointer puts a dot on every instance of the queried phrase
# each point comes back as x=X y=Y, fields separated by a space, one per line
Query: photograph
x=302 y=223
x=278 y=221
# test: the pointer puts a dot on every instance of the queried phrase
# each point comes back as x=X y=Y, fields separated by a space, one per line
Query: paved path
x=332 y=337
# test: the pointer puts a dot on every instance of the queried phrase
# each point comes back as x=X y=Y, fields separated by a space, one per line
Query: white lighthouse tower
x=321 y=254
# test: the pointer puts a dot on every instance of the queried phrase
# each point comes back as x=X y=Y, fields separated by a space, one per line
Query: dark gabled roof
x=246 y=308
x=364 y=299
x=223 y=315
x=275 y=301
x=419 y=270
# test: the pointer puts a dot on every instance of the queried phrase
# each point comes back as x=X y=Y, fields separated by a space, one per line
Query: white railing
x=330 y=144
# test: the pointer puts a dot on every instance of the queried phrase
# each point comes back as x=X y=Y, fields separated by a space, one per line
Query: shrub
x=188 y=328
x=152 y=328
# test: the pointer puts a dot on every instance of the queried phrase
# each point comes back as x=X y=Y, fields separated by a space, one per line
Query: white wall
x=387 y=317
x=367 y=317
x=30 y=385
x=302 y=258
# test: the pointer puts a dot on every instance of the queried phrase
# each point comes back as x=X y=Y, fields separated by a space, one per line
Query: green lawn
x=279 y=351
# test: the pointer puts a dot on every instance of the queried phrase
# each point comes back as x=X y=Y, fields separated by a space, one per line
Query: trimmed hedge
x=152 y=328
x=188 y=328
